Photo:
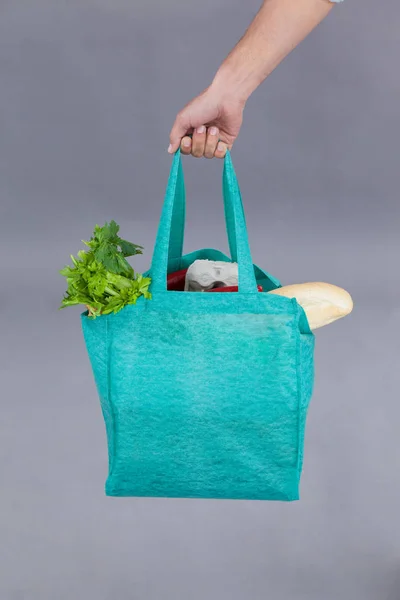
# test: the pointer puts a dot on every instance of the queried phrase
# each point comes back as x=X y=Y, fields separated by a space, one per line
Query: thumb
x=179 y=129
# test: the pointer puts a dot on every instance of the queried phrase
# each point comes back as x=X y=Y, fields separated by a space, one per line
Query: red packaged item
x=232 y=288
x=176 y=281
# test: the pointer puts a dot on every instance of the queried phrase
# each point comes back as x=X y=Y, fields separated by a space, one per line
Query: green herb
x=101 y=278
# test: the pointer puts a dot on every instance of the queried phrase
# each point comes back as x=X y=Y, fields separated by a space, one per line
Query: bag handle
x=178 y=226
x=169 y=240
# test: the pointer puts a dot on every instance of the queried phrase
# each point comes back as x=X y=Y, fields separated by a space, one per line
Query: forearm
x=278 y=28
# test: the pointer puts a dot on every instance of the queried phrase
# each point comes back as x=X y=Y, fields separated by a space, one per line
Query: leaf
x=109 y=231
x=101 y=277
x=129 y=249
x=66 y=271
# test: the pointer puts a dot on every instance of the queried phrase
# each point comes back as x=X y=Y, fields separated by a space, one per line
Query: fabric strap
x=170 y=235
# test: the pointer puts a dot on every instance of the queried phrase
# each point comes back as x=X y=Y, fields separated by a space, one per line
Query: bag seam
x=298 y=382
x=108 y=390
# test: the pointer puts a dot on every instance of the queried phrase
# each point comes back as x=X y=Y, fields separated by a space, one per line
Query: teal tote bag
x=204 y=395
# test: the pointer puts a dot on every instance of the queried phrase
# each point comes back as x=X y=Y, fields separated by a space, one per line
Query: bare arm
x=279 y=26
x=277 y=29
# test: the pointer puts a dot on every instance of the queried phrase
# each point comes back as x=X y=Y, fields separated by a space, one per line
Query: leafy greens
x=101 y=277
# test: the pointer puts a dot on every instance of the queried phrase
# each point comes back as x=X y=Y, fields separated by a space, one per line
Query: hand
x=214 y=118
x=214 y=122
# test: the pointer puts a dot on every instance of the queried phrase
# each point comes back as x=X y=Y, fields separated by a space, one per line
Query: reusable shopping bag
x=204 y=395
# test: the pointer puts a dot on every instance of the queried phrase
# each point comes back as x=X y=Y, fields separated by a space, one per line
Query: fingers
x=211 y=142
x=203 y=142
x=221 y=150
x=199 y=141
x=186 y=145
x=180 y=128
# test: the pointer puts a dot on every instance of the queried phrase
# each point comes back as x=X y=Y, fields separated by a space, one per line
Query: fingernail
x=201 y=129
x=170 y=148
x=187 y=143
x=220 y=147
x=213 y=131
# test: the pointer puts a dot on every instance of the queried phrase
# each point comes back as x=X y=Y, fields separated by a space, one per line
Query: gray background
x=88 y=92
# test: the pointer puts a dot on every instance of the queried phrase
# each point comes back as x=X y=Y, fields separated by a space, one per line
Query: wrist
x=231 y=86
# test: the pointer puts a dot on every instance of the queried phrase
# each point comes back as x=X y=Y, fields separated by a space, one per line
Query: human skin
x=211 y=122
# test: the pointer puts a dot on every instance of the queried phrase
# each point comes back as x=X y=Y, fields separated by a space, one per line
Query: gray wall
x=88 y=92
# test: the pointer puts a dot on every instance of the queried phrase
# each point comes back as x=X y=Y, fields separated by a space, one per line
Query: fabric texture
x=204 y=395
